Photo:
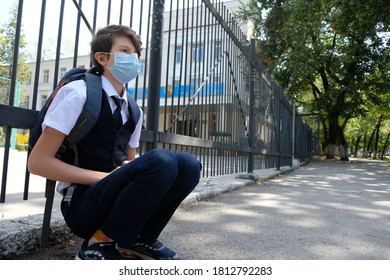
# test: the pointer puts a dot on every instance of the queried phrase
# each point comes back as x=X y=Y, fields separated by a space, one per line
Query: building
x=194 y=73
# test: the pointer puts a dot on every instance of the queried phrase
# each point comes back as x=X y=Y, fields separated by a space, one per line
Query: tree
x=333 y=50
x=7 y=45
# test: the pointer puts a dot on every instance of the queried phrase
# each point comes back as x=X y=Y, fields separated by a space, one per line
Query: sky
x=31 y=20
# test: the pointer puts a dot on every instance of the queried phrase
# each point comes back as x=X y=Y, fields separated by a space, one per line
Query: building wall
x=176 y=42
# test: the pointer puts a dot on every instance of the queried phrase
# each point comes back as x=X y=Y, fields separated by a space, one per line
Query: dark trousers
x=136 y=201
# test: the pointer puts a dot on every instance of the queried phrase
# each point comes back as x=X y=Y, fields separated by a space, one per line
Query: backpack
x=89 y=114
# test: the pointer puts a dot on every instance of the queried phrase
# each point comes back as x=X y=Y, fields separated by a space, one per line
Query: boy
x=118 y=203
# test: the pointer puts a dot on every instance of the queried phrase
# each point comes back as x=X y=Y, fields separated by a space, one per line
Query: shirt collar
x=110 y=90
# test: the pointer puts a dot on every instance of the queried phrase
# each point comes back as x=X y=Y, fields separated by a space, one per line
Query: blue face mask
x=125 y=68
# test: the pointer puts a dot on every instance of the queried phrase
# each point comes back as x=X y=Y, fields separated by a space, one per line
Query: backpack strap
x=134 y=112
x=89 y=115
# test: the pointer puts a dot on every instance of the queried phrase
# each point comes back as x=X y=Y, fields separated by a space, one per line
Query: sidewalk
x=325 y=210
x=21 y=221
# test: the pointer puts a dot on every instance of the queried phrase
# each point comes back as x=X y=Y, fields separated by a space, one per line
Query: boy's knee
x=175 y=162
x=189 y=163
x=162 y=159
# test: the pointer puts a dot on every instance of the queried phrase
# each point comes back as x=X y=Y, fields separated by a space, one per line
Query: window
x=62 y=72
x=197 y=52
x=178 y=54
x=45 y=76
x=142 y=67
x=217 y=50
x=29 y=80
x=195 y=82
x=26 y=102
x=43 y=100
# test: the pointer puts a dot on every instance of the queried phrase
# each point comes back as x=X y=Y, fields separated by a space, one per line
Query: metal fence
x=202 y=89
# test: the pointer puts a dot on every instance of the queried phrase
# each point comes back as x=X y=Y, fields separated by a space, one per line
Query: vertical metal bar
x=205 y=130
x=318 y=148
x=59 y=38
x=191 y=65
x=137 y=79
x=277 y=131
x=293 y=133
x=76 y=41
x=153 y=107
x=131 y=13
x=186 y=81
x=16 y=53
x=174 y=83
x=95 y=8
x=109 y=12
x=50 y=190
x=5 y=164
x=11 y=100
x=168 y=58
x=207 y=98
x=198 y=78
x=147 y=44
x=251 y=106
x=35 y=89
x=171 y=106
x=201 y=111
x=39 y=55
x=121 y=12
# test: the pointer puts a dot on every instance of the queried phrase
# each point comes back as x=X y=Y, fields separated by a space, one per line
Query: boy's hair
x=104 y=39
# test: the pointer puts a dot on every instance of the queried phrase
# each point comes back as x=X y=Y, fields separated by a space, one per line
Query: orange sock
x=99 y=236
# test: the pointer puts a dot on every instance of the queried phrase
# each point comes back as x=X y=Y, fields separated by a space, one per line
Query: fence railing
x=202 y=89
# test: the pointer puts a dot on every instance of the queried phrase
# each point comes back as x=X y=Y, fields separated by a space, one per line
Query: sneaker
x=98 y=251
x=155 y=251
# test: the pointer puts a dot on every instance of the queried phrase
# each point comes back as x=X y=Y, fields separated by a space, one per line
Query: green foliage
x=331 y=56
x=2 y=137
x=22 y=141
x=7 y=45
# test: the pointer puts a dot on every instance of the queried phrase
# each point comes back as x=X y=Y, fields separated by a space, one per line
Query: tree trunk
x=369 y=149
x=343 y=146
x=378 y=127
x=357 y=145
x=331 y=145
x=325 y=140
x=336 y=139
x=364 y=145
x=385 y=146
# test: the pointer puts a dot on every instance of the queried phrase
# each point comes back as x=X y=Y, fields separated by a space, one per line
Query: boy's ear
x=101 y=58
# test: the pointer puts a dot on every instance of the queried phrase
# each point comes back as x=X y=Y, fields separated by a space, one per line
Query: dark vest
x=103 y=149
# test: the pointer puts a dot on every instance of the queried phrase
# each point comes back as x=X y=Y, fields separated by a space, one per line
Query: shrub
x=22 y=141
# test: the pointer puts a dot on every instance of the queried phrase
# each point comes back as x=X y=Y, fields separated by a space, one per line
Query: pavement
x=322 y=210
x=325 y=210
x=21 y=220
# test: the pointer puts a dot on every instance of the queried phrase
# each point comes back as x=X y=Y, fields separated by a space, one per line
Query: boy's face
x=121 y=44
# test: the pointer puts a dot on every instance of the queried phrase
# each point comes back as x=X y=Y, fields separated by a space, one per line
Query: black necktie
x=117 y=113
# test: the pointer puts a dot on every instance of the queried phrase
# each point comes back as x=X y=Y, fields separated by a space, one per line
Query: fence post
x=251 y=107
x=293 y=133
x=154 y=85
x=318 y=148
x=279 y=132
x=11 y=99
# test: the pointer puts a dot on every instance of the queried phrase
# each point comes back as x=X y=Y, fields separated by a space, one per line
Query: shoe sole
x=141 y=256
x=128 y=251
